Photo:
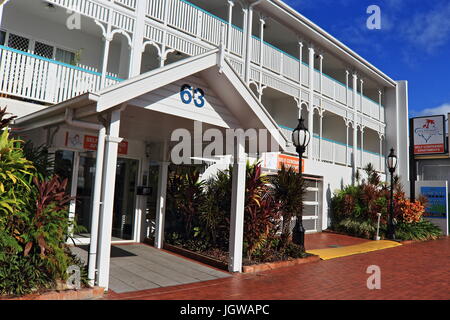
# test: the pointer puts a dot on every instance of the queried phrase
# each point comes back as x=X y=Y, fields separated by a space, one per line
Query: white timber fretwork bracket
x=108 y=34
x=162 y=53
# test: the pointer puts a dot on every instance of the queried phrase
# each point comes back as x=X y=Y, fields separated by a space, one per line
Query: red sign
x=290 y=161
x=91 y=142
x=428 y=148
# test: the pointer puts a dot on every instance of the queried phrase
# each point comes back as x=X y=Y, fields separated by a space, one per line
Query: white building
x=77 y=71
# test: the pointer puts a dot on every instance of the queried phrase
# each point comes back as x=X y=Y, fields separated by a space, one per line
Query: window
x=43 y=50
x=2 y=37
x=18 y=42
x=65 y=56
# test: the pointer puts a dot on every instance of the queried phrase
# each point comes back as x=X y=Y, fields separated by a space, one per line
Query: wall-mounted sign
x=437 y=208
x=290 y=162
x=273 y=161
x=429 y=135
x=76 y=140
x=437 y=201
x=90 y=143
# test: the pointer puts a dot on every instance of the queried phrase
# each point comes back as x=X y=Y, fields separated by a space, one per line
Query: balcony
x=43 y=80
x=336 y=152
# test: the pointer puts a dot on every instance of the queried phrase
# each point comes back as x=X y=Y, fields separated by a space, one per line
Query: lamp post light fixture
x=300 y=138
x=392 y=165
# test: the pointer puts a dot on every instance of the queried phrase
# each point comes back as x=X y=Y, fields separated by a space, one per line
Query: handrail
x=333 y=141
x=57 y=62
x=273 y=47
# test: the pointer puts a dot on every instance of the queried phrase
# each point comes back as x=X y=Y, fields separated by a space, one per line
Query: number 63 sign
x=189 y=95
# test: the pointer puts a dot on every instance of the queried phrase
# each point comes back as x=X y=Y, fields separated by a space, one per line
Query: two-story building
x=85 y=74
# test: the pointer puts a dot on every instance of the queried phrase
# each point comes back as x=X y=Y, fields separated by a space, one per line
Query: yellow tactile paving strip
x=332 y=253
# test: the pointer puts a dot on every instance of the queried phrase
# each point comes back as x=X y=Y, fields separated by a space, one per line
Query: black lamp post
x=300 y=138
x=392 y=165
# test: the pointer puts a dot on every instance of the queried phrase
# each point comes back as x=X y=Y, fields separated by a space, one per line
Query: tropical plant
x=34 y=224
x=261 y=213
x=186 y=195
x=355 y=210
x=5 y=121
x=289 y=192
x=215 y=210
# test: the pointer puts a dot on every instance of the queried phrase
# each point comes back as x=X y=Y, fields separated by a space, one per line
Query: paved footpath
x=413 y=271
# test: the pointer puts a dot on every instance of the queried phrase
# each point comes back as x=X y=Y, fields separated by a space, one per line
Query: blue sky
x=413 y=43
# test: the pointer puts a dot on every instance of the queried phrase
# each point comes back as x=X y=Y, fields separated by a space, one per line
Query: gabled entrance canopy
x=229 y=103
x=149 y=108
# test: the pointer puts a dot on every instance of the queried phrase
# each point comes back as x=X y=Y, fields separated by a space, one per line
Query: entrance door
x=125 y=199
x=80 y=169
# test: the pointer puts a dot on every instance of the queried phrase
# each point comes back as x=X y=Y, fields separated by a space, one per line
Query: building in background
x=431 y=166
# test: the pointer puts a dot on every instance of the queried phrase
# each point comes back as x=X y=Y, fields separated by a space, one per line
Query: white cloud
x=430 y=29
x=442 y=109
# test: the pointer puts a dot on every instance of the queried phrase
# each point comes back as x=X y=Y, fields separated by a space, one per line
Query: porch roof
x=242 y=105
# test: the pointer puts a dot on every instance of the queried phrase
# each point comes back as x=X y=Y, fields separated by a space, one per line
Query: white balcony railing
x=32 y=77
x=327 y=150
x=279 y=69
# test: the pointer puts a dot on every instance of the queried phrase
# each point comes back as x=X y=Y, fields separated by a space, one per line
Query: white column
x=237 y=208
x=96 y=204
x=355 y=123
x=300 y=68
x=321 y=133
x=138 y=39
x=244 y=34
x=106 y=217
x=107 y=40
x=161 y=204
x=362 y=93
x=230 y=23
x=321 y=73
x=380 y=103
x=248 y=54
x=362 y=146
x=311 y=100
x=381 y=151
x=347 y=124
x=347 y=74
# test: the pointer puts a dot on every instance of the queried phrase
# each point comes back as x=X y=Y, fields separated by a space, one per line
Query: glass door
x=79 y=168
x=125 y=199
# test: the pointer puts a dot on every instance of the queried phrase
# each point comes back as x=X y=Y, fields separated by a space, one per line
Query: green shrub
x=34 y=223
x=355 y=208
x=423 y=230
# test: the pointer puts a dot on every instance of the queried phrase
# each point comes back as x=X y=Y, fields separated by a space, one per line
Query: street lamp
x=300 y=138
x=392 y=165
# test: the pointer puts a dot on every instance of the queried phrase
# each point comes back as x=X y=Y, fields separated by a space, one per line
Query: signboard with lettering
x=77 y=140
x=429 y=135
x=437 y=207
x=273 y=161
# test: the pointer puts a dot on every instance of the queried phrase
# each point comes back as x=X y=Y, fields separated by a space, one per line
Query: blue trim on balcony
x=269 y=44
x=57 y=62
x=332 y=141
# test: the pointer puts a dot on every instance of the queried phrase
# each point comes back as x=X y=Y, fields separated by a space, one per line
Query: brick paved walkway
x=414 y=271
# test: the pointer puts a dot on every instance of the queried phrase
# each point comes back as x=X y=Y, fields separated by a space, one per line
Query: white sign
x=429 y=135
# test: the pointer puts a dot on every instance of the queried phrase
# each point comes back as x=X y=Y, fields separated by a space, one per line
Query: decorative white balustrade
x=192 y=31
x=335 y=152
x=28 y=76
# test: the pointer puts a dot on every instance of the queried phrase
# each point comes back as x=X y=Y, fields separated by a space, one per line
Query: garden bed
x=218 y=259
x=82 y=294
